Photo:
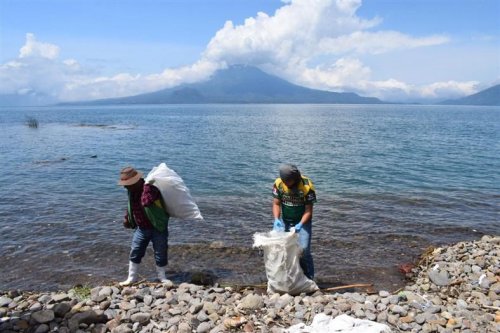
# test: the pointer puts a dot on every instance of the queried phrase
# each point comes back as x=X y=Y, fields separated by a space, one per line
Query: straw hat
x=129 y=176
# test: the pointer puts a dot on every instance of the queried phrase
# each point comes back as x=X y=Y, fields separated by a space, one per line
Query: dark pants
x=306 y=260
x=140 y=242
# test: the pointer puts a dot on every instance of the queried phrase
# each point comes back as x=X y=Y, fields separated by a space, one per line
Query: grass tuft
x=82 y=293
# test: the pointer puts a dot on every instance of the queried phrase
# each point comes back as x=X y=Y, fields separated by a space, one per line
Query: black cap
x=289 y=172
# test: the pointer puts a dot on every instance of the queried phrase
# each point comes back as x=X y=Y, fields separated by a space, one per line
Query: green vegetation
x=82 y=293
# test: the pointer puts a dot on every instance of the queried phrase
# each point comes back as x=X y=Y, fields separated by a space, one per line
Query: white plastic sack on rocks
x=175 y=193
x=341 y=324
x=281 y=258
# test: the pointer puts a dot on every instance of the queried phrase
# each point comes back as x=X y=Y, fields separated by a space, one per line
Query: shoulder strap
x=131 y=219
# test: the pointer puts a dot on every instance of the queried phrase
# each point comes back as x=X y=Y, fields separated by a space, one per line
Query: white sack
x=175 y=193
x=281 y=257
x=340 y=324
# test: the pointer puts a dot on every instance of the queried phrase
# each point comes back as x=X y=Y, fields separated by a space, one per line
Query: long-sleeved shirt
x=141 y=199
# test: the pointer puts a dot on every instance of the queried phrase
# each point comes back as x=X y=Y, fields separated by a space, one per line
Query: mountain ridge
x=489 y=96
x=239 y=85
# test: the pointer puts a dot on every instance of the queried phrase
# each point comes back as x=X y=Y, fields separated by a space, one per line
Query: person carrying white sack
x=294 y=196
x=146 y=214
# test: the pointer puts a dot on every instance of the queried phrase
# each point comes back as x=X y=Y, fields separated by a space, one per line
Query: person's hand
x=278 y=225
x=298 y=226
x=126 y=224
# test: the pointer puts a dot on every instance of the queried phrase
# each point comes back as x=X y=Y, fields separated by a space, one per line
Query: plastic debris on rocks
x=341 y=324
x=281 y=257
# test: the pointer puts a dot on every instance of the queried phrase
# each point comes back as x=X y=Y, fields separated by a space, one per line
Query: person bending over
x=293 y=199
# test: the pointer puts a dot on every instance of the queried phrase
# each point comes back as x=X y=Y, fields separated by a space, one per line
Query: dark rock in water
x=203 y=278
x=62 y=159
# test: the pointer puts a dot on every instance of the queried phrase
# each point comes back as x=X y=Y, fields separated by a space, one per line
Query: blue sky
x=398 y=50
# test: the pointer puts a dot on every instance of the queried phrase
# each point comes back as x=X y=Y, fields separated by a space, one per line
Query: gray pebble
x=61 y=309
x=203 y=327
x=141 y=317
x=123 y=328
x=43 y=316
x=43 y=328
x=5 y=301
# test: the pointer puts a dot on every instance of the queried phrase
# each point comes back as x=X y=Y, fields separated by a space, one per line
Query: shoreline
x=453 y=289
x=216 y=261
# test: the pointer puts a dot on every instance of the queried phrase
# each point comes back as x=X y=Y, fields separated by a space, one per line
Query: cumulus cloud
x=34 y=48
x=289 y=42
x=450 y=88
x=125 y=84
x=315 y=43
x=305 y=29
x=38 y=69
x=295 y=33
x=336 y=76
x=398 y=91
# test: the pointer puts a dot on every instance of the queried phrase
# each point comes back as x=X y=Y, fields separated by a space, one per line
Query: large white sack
x=281 y=258
x=175 y=193
x=340 y=324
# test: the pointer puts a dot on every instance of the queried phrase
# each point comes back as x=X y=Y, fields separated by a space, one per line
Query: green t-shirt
x=294 y=201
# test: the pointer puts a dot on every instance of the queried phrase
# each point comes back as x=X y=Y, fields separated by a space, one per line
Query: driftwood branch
x=357 y=285
x=492 y=307
x=454 y=283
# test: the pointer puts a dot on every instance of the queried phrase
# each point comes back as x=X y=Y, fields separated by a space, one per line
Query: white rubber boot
x=133 y=276
x=161 y=274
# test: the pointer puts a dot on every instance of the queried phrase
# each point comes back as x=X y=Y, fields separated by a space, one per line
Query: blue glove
x=278 y=225
x=298 y=226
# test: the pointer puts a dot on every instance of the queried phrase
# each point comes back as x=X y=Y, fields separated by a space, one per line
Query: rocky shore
x=452 y=289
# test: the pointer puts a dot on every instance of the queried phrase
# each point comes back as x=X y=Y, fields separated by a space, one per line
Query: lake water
x=391 y=180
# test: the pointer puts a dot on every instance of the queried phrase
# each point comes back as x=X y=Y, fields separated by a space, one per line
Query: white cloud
x=290 y=42
x=349 y=74
x=343 y=73
x=305 y=29
x=451 y=89
x=72 y=63
x=125 y=84
x=397 y=91
x=294 y=34
x=34 y=48
x=376 y=42
x=38 y=69
x=316 y=43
